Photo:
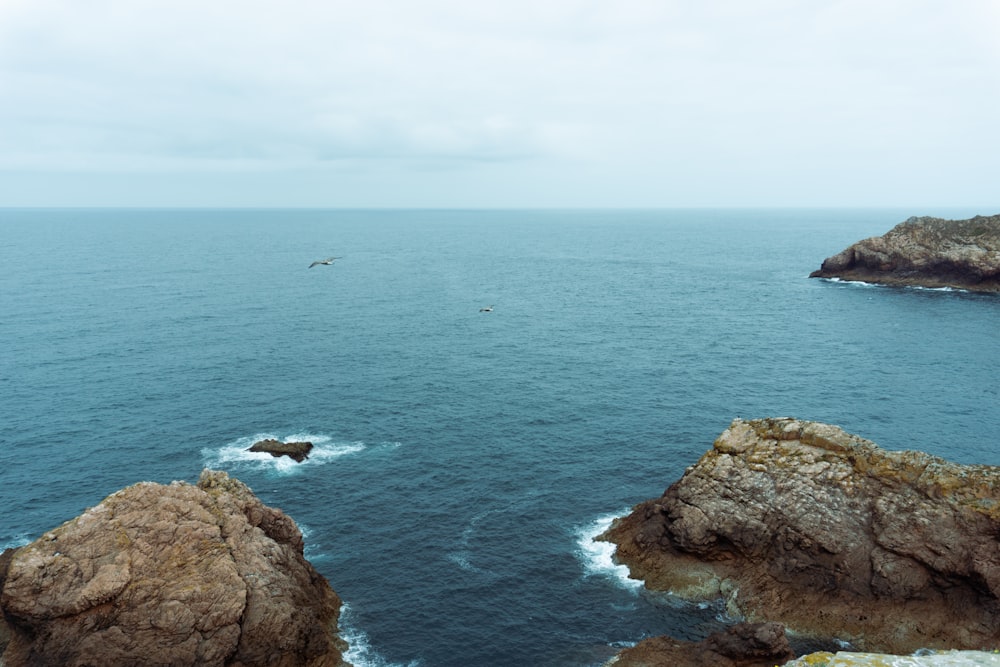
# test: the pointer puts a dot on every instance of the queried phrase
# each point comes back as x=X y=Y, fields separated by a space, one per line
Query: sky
x=512 y=104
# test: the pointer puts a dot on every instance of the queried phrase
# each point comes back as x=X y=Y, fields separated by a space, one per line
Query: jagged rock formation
x=804 y=524
x=743 y=645
x=298 y=451
x=926 y=252
x=169 y=575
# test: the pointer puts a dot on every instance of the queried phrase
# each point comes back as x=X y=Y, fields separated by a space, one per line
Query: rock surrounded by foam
x=297 y=451
x=804 y=524
x=176 y=574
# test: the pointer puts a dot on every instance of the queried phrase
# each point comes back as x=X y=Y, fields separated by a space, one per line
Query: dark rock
x=743 y=645
x=926 y=252
x=299 y=451
x=804 y=524
x=169 y=575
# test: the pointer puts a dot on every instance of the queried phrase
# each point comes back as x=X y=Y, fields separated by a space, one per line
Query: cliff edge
x=172 y=575
x=803 y=524
x=925 y=252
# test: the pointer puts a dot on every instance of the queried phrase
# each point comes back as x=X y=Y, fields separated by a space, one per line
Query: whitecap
x=598 y=557
x=236 y=454
x=360 y=652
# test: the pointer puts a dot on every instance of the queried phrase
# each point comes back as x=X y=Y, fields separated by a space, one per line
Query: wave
x=14 y=541
x=598 y=557
x=236 y=455
x=311 y=552
x=360 y=652
x=862 y=283
x=462 y=555
x=858 y=283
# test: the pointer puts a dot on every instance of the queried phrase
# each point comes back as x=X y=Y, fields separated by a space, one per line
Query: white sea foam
x=598 y=557
x=462 y=555
x=360 y=652
x=311 y=551
x=236 y=454
x=861 y=283
x=15 y=541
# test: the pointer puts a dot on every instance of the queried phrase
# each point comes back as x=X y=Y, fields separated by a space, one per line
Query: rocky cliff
x=743 y=645
x=804 y=524
x=927 y=252
x=169 y=575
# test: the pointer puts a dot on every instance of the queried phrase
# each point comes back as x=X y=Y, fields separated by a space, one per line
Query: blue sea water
x=464 y=459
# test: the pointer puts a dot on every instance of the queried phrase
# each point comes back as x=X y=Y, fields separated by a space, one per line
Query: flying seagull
x=488 y=309
x=328 y=261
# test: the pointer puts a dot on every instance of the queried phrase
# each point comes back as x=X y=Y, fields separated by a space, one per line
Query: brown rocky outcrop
x=743 y=645
x=804 y=524
x=298 y=451
x=169 y=575
x=926 y=252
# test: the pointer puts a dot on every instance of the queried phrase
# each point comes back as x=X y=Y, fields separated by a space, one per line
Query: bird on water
x=328 y=261
x=487 y=309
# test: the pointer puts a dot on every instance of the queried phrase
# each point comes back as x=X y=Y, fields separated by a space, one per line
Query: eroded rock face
x=928 y=252
x=743 y=645
x=804 y=524
x=298 y=451
x=172 y=575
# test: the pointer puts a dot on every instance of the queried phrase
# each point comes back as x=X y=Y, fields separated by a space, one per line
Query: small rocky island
x=172 y=574
x=297 y=451
x=925 y=252
x=803 y=524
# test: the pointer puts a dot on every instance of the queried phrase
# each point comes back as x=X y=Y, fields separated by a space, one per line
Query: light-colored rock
x=804 y=524
x=171 y=575
x=925 y=659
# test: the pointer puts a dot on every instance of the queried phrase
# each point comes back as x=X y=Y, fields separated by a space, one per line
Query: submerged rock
x=299 y=451
x=927 y=252
x=169 y=574
x=804 y=524
x=743 y=645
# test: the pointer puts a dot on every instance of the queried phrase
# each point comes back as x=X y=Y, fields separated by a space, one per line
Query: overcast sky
x=519 y=103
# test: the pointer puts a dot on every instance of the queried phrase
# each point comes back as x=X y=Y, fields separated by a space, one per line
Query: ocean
x=464 y=459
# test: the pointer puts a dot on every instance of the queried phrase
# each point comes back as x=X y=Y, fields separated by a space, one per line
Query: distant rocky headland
x=174 y=574
x=925 y=252
x=803 y=524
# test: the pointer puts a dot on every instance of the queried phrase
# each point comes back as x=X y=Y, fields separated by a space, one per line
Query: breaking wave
x=598 y=557
x=360 y=652
x=235 y=454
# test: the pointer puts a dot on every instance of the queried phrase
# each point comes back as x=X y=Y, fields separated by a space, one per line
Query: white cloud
x=577 y=91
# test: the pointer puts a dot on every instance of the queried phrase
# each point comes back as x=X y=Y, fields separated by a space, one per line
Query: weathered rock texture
x=927 y=252
x=804 y=524
x=169 y=575
x=299 y=451
x=923 y=659
x=743 y=645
